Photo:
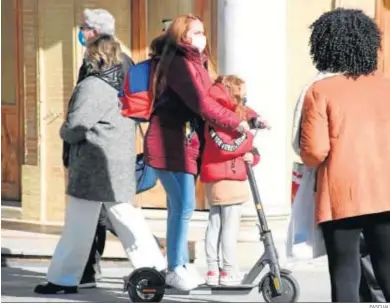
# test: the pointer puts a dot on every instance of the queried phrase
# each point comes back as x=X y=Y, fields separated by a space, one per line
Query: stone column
x=252 y=44
x=367 y=6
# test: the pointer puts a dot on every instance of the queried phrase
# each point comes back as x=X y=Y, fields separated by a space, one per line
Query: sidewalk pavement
x=20 y=277
x=24 y=244
x=37 y=245
x=34 y=240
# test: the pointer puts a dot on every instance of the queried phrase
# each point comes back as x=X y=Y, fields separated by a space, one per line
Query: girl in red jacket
x=224 y=172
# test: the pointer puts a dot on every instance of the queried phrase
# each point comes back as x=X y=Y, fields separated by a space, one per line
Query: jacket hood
x=192 y=53
x=114 y=76
x=219 y=93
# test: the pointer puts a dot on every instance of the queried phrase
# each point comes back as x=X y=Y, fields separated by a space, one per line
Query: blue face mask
x=82 y=39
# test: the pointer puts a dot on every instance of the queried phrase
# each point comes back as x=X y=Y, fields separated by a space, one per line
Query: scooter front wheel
x=290 y=287
x=146 y=286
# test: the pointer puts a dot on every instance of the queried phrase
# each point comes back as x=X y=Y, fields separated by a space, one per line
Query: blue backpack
x=136 y=96
x=137 y=104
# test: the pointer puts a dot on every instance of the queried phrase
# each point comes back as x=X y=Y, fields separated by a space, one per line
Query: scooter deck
x=213 y=290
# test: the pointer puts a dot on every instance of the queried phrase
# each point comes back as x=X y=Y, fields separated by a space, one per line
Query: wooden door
x=11 y=145
x=383 y=20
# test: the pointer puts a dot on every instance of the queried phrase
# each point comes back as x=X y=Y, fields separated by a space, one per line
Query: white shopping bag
x=304 y=237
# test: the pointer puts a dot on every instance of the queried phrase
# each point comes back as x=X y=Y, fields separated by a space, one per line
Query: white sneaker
x=193 y=273
x=180 y=279
x=212 y=278
x=229 y=279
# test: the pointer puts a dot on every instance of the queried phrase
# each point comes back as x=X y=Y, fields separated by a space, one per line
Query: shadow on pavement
x=17 y=285
x=4 y=253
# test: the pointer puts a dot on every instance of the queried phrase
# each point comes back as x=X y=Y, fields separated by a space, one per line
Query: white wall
x=252 y=44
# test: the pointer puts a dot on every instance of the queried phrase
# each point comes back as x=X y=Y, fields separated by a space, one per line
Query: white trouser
x=81 y=218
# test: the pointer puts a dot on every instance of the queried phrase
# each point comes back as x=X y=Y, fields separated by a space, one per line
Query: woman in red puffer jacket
x=173 y=142
x=224 y=172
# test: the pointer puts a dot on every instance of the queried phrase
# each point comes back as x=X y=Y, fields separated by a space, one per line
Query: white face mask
x=199 y=41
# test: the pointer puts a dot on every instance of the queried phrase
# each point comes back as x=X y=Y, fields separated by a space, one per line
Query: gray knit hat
x=100 y=20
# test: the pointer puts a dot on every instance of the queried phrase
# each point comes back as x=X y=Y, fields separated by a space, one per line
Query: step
x=248 y=228
x=214 y=290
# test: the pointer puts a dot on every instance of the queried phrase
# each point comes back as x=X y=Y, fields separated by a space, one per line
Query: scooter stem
x=256 y=198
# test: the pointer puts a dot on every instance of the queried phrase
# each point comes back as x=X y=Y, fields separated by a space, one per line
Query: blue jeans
x=180 y=190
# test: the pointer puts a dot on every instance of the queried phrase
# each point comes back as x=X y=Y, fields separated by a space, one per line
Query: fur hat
x=100 y=20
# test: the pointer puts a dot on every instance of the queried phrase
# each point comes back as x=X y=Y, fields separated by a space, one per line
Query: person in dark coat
x=96 y=21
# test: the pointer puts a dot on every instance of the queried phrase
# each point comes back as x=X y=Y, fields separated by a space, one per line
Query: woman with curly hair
x=345 y=136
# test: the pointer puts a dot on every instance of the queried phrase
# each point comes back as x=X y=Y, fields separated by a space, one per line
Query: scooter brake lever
x=260 y=233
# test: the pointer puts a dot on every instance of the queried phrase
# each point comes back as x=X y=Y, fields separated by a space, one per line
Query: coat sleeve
x=86 y=108
x=252 y=113
x=256 y=159
x=314 y=142
x=183 y=80
x=256 y=156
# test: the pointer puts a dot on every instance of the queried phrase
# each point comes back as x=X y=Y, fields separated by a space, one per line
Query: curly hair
x=345 y=41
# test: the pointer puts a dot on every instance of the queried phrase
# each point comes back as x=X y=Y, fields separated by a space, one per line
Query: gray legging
x=222 y=232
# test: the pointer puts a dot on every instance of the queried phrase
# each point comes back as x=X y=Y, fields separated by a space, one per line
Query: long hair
x=345 y=41
x=103 y=52
x=165 y=47
x=234 y=85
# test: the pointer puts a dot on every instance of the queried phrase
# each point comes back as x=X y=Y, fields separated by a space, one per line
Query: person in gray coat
x=101 y=173
x=95 y=22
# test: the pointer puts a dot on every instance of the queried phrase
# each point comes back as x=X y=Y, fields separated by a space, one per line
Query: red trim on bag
x=138 y=105
x=294 y=190
x=298 y=175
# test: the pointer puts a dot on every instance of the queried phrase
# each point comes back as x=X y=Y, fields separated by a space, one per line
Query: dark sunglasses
x=84 y=27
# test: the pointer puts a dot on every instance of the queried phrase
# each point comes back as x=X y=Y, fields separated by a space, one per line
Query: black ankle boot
x=51 y=288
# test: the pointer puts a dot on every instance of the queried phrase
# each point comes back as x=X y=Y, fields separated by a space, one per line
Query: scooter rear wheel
x=290 y=288
x=146 y=286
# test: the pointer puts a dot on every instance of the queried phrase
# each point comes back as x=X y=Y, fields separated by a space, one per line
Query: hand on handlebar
x=244 y=126
x=258 y=123
x=249 y=157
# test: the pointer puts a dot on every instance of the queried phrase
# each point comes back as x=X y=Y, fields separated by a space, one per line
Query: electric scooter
x=276 y=286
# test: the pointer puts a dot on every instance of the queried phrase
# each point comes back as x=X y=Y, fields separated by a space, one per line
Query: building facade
x=40 y=59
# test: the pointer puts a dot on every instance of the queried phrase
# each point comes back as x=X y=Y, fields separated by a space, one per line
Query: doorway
x=11 y=129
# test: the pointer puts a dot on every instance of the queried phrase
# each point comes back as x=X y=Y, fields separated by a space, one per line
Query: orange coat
x=345 y=132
